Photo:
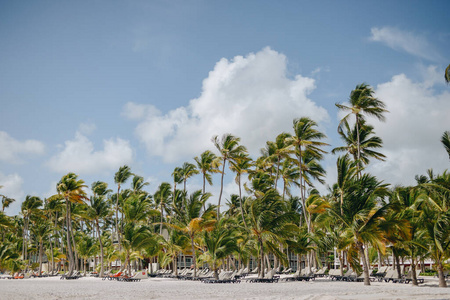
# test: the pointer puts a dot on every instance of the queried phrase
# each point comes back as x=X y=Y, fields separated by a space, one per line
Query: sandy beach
x=159 y=288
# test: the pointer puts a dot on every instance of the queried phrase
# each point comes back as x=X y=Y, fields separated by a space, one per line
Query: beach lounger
x=408 y=278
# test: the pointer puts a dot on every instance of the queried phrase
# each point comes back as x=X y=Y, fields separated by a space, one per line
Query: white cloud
x=409 y=42
x=417 y=118
x=12 y=188
x=78 y=155
x=250 y=97
x=11 y=149
x=87 y=128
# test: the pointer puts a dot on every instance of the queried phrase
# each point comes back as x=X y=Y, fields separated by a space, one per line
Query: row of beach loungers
x=386 y=274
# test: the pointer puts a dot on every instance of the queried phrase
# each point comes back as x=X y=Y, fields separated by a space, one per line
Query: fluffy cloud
x=12 y=188
x=78 y=155
x=417 y=118
x=409 y=42
x=11 y=149
x=251 y=97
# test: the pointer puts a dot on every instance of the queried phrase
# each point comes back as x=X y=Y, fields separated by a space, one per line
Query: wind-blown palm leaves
x=162 y=197
x=445 y=140
x=219 y=242
x=269 y=222
x=120 y=178
x=6 y=202
x=362 y=216
x=306 y=143
x=191 y=222
x=229 y=148
x=367 y=143
x=71 y=189
x=436 y=217
x=362 y=102
x=98 y=211
x=207 y=164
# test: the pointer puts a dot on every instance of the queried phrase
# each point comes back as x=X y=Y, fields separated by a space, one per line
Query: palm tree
x=363 y=102
x=87 y=248
x=240 y=165
x=289 y=174
x=346 y=171
x=138 y=184
x=445 y=140
x=228 y=147
x=6 y=202
x=220 y=243
x=363 y=216
x=161 y=197
x=191 y=222
x=98 y=211
x=120 y=178
x=276 y=152
x=269 y=222
x=41 y=230
x=71 y=189
x=367 y=142
x=306 y=140
x=187 y=170
x=207 y=164
x=29 y=207
x=436 y=218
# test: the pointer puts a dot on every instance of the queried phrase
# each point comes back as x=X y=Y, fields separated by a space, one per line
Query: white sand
x=156 y=288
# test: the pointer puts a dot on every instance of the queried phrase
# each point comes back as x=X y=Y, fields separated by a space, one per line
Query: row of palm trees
x=277 y=211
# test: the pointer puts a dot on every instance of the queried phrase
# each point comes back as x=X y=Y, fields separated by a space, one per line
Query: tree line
x=277 y=211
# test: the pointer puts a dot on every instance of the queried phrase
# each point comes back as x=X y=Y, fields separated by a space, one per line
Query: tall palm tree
x=192 y=222
x=29 y=207
x=41 y=230
x=6 y=202
x=240 y=164
x=290 y=175
x=207 y=164
x=276 y=152
x=188 y=170
x=436 y=218
x=120 y=178
x=228 y=147
x=161 y=197
x=346 y=172
x=138 y=184
x=367 y=142
x=220 y=243
x=71 y=189
x=99 y=210
x=306 y=140
x=269 y=222
x=363 y=217
x=363 y=102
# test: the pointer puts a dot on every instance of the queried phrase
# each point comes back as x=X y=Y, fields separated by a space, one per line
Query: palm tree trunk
x=365 y=265
x=221 y=189
x=442 y=282
x=117 y=217
x=41 y=246
x=413 y=271
x=194 y=256
x=240 y=203
x=69 y=246
x=261 y=259
x=278 y=169
x=101 y=248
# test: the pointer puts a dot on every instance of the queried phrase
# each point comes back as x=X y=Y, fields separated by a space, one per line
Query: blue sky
x=88 y=86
